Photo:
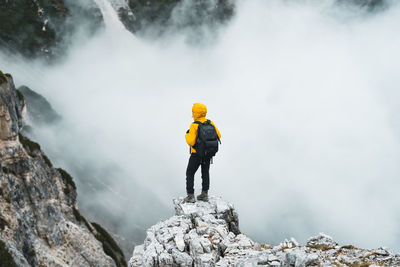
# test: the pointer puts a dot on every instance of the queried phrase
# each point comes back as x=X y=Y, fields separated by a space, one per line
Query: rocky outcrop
x=195 y=235
x=207 y=234
x=40 y=224
x=11 y=108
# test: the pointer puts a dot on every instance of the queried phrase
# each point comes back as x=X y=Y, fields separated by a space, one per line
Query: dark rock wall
x=163 y=15
x=40 y=28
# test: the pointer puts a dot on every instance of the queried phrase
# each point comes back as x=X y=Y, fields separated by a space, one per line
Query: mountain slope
x=40 y=224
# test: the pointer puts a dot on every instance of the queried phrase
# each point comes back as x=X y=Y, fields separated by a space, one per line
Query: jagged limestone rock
x=207 y=234
x=40 y=224
x=10 y=109
x=322 y=242
x=199 y=234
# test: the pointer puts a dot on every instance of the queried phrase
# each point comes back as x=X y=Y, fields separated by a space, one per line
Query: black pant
x=194 y=163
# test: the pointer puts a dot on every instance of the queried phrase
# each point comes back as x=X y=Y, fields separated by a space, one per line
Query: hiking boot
x=189 y=199
x=203 y=196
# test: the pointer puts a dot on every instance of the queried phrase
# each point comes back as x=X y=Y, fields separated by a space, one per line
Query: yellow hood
x=199 y=111
x=199 y=114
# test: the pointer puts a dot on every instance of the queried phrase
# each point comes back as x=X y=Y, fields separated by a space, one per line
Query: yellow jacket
x=199 y=114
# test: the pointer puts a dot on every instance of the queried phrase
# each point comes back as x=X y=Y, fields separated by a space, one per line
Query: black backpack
x=207 y=140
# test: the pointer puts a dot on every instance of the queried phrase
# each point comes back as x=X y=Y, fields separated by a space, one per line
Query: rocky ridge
x=207 y=234
x=40 y=224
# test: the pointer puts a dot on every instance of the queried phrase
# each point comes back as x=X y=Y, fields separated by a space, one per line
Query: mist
x=305 y=96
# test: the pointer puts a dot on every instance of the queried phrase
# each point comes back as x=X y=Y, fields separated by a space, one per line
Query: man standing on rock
x=203 y=138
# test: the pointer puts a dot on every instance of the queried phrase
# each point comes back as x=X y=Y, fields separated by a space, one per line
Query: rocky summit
x=207 y=234
x=40 y=224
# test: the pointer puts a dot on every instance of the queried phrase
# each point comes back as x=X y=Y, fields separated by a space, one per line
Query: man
x=199 y=115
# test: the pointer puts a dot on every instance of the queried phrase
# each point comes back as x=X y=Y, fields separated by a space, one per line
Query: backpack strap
x=209 y=122
x=199 y=123
x=206 y=122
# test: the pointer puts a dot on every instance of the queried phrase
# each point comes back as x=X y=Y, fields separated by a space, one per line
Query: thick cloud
x=305 y=95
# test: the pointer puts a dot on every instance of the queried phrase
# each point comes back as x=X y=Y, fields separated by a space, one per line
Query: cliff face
x=207 y=234
x=40 y=224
